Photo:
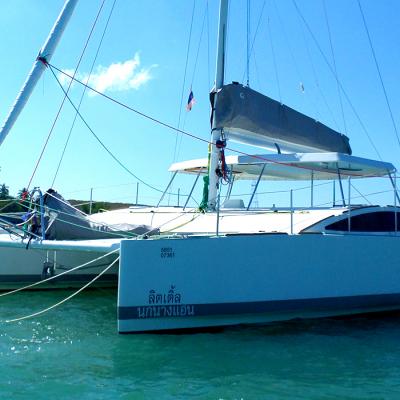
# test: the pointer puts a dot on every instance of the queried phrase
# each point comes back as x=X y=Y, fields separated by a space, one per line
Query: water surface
x=75 y=351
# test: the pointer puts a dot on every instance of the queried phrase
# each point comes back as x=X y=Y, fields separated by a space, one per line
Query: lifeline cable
x=81 y=266
x=112 y=231
x=60 y=274
x=196 y=214
x=66 y=299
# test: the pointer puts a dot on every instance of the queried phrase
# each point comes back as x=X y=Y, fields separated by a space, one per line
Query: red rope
x=257 y=157
x=44 y=61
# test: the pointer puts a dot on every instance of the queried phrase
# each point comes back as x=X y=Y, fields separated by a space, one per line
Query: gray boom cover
x=252 y=118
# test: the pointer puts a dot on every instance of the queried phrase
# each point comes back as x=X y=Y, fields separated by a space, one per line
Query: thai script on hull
x=164 y=298
x=181 y=310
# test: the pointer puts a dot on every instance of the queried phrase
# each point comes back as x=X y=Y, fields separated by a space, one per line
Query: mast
x=219 y=82
x=38 y=67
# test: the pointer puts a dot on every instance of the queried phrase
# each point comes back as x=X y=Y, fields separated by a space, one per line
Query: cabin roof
x=294 y=166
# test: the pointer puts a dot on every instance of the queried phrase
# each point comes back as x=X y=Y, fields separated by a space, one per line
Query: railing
x=41 y=212
x=351 y=197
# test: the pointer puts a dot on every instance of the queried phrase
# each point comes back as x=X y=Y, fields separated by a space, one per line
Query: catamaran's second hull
x=246 y=279
x=22 y=264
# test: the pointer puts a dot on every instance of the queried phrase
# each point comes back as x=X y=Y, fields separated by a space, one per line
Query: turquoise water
x=75 y=352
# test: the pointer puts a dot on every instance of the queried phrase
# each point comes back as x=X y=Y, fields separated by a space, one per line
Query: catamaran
x=271 y=266
x=227 y=262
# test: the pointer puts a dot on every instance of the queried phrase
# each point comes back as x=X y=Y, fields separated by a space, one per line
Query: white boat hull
x=244 y=279
x=21 y=265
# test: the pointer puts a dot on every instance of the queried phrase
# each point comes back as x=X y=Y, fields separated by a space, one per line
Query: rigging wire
x=83 y=93
x=316 y=80
x=191 y=82
x=199 y=44
x=334 y=66
x=178 y=137
x=226 y=52
x=361 y=195
x=184 y=82
x=65 y=96
x=97 y=138
x=341 y=86
x=296 y=65
x=248 y=44
x=256 y=69
x=174 y=128
x=209 y=84
x=294 y=61
x=256 y=157
x=379 y=73
x=275 y=63
x=254 y=38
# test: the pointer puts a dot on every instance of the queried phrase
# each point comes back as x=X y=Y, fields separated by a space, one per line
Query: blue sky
x=142 y=63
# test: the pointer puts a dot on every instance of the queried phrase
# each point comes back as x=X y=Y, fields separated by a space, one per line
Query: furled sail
x=249 y=117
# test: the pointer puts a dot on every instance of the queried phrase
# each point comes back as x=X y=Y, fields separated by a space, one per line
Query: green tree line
x=20 y=203
x=9 y=203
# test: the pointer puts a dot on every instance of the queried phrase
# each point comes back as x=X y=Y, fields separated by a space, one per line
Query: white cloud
x=64 y=80
x=116 y=77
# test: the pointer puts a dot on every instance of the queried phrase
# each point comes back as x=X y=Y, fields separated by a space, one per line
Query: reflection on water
x=75 y=350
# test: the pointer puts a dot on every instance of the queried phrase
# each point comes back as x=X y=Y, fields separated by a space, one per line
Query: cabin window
x=370 y=222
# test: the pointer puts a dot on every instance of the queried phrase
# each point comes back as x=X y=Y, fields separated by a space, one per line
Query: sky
x=142 y=62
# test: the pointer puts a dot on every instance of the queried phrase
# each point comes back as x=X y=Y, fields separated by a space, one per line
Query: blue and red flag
x=190 y=101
